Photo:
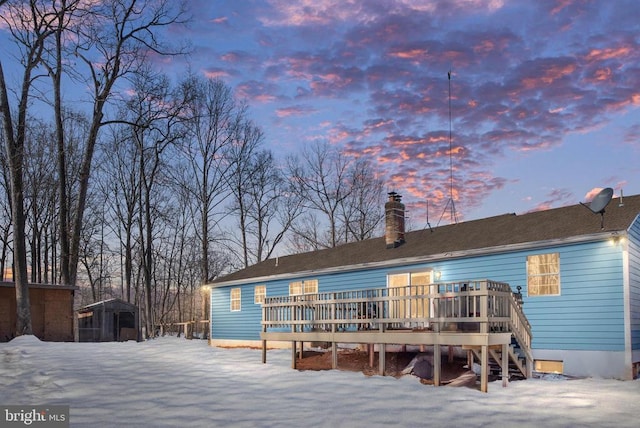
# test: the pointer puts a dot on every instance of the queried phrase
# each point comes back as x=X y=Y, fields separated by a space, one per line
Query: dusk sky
x=545 y=94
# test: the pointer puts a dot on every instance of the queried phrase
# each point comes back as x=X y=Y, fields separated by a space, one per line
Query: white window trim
x=258 y=298
x=302 y=287
x=237 y=299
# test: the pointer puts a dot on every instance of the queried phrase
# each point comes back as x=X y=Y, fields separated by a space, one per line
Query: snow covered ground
x=174 y=382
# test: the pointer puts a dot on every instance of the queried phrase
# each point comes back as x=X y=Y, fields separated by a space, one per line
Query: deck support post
x=264 y=352
x=371 y=347
x=484 y=371
x=293 y=354
x=382 y=353
x=301 y=353
x=505 y=365
x=334 y=345
x=437 y=364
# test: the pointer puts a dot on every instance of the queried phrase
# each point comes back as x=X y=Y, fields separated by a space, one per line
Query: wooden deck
x=483 y=317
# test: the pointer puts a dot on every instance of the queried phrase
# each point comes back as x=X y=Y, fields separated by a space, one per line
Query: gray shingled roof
x=503 y=230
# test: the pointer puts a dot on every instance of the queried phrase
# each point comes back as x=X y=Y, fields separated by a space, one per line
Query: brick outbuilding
x=51 y=311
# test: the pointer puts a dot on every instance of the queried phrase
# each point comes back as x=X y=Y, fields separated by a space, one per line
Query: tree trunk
x=15 y=153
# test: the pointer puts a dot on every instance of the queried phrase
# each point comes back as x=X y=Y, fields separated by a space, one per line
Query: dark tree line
x=157 y=186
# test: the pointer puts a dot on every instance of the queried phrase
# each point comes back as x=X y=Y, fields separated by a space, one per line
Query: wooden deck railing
x=477 y=314
x=482 y=306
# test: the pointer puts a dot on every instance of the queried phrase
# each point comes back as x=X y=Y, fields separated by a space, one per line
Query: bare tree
x=29 y=27
x=274 y=209
x=241 y=159
x=5 y=212
x=309 y=233
x=52 y=60
x=341 y=198
x=362 y=211
x=262 y=207
x=154 y=118
x=320 y=178
x=112 y=40
x=119 y=179
x=211 y=118
x=96 y=256
x=40 y=184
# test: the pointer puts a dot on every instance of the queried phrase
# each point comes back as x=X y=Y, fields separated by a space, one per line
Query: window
x=543 y=274
x=259 y=294
x=548 y=366
x=408 y=284
x=295 y=288
x=236 y=299
x=310 y=286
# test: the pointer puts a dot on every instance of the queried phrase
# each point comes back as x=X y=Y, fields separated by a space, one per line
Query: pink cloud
x=561 y=5
x=555 y=198
x=326 y=12
x=257 y=91
x=592 y=193
x=602 y=75
x=609 y=53
x=411 y=53
x=547 y=74
x=296 y=110
x=233 y=56
x=632 y=135
x=220 y=20
x=216 y=73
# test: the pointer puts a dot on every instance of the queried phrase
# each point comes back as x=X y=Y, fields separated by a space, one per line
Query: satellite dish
x=602 y=199
x=600 y=202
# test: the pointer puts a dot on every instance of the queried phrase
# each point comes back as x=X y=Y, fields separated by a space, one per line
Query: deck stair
x=518 y=368
x=519 y=351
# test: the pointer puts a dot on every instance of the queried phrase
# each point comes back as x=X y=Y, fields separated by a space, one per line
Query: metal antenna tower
x=454 y=216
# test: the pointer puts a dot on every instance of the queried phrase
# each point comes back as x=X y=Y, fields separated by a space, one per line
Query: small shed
x=51 y=311
x=112 y=320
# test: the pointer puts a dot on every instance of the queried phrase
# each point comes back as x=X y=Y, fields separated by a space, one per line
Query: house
x=112 y=320
x=51 y=311
x=578 y=273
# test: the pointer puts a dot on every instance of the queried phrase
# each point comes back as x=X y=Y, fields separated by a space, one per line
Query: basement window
x=549 y=366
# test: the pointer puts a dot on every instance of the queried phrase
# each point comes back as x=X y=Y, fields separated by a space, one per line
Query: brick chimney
x=394 y=221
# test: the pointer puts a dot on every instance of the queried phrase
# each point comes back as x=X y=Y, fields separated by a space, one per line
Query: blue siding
x=241 y=325
x=634 y=282
x=588 y=315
